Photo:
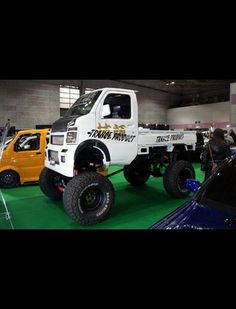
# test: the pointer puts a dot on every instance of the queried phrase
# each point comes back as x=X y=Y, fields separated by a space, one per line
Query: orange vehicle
x=23 y=158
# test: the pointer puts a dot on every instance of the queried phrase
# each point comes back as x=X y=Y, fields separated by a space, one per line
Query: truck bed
x=153 y=138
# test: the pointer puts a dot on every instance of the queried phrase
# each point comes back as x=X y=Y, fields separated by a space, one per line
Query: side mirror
x=192 y=185
x=106 y=110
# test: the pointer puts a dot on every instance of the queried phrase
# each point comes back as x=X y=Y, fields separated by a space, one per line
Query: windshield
x=221 y=191
x=84 y=104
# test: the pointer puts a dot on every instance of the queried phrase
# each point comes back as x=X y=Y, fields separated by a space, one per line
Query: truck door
x=29 y=155
x=118 y=130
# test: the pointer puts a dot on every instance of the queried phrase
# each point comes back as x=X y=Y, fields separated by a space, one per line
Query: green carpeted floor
x=135 y=208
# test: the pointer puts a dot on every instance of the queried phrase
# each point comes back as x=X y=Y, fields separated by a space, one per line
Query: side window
x=120 y=106
x=28 y=142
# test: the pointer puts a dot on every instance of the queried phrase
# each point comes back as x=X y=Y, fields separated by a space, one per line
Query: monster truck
x=100 y=130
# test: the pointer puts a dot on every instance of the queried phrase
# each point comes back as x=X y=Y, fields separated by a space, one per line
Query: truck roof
x=116 y=89
x=26 y=131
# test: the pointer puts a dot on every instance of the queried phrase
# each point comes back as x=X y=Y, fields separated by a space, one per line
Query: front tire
x=89 y=198
x=49 y=182
x=175 y=177
x=9 y=179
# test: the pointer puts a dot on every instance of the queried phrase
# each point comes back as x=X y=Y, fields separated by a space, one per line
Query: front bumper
x=61 y=159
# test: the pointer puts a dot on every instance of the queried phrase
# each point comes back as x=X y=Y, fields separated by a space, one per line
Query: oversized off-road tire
x=137 y=173
x=89 y=198
x=9 y=179
x=175 y=176
x=49 y=182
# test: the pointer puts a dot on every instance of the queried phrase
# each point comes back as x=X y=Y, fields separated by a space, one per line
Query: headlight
x=57 y=139
x=71 y=137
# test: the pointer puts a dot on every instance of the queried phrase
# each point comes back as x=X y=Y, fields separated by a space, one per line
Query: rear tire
x=175 y=176
x=89 y=198
x=48 y=182
x=137 y=173
x=9 y=179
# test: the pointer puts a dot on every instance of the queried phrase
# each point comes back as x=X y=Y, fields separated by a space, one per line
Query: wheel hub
x=91 y=199
x=8 y=179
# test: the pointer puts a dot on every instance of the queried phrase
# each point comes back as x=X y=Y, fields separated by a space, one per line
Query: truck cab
x=23 y=158
x=103 y=122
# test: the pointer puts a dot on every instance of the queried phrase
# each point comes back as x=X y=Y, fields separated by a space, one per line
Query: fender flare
x=93 y=143
x=9 y=167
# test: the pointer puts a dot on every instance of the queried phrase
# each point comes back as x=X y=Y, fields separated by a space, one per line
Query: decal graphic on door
x=117 y=133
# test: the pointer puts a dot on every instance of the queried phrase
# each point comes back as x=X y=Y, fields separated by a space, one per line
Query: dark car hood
x=61 y=124
x=193 y=215
x=176 y=218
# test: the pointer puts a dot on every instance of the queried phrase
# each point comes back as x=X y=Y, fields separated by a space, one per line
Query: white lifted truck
x=100 y=130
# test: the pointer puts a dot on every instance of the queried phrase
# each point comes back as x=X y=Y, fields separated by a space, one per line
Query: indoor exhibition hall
x=130 y=154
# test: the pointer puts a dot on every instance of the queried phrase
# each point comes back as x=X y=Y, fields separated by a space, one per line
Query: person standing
x=233 y=135
x=215 y=151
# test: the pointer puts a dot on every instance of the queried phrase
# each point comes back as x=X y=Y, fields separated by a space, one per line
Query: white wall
x=185 y=117
x=28 y=104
